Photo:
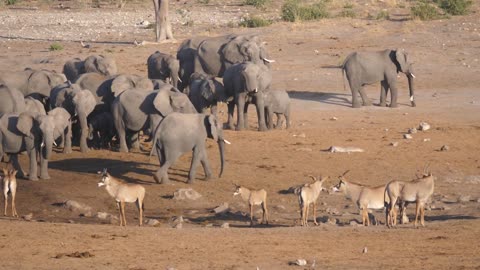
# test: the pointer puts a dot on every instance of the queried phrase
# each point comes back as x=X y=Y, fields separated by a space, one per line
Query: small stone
x=28 y=217
x=225 y=225
x=426 y=139
x=152 y=222
x=464 y=198
x=332 y=211
x=301 y=135
x=354 y=223
x=186 y=194
x=103 y=215
x=223 y=208
x=334 y=118
x=279 y=207
x=407 y=136
x=178 y=226
x=81 y=208
x=209 y=225
x=332 y=221
x=301 y=262
x=478 y=200
x=424 y=126
x=178 y=219
x=412 y=130
x=444 y=148
x=71 y=221
x=394 y=144
x=365 y=250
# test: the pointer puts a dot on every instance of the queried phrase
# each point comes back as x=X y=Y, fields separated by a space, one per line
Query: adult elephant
x=163 y=66
x=180 y=133
x=34 y=106
x=215 y=55
x=95 y=63
x=79 y=103
x=33 y=133
x=363 y=68
x=139 y=110
x=32 y=82
x=186 y=57
x=11 y=100
x=247 y=82
x=206 y=92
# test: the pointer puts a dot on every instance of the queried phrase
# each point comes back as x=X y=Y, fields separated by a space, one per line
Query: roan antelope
x=417 y=191
x=308 y=194
x=123 y=192
x=364 y=197
x=10 y=187
x=253 y=197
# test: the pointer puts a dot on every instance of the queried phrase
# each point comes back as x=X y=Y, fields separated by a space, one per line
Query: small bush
x=424 y=11
x=253 y=22
x=10 y=2
x=203 y=1
x=55 y=47
x=347 y=13
x=255 y=3
x=293 y=11
x=348 y=5
x=383 y=15
x=455 y=7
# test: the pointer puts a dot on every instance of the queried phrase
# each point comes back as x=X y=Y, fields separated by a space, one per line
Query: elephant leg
x=245 y=116
x=120 y=213
x=206 y=164
x=231 y=108
x=122 y=136
x=287 y=117
x=279 y=121
x=161 y=175
x=32 y=175
x=261 y=112
x=366 y=100
x=67 y=140
x=134 y=141
x=393 y=95
x=383 y=93
x=240 y=99
x=354 y=88
x=196 y=156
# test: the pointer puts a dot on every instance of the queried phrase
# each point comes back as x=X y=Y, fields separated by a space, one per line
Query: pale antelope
x=364 y=197
x=308 y=194
x=253 y=197
x=418 y=191
x=123 y=192
x=10 y=187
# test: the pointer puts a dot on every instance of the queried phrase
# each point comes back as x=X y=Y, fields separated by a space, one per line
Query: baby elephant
x=163 y=66
x=179 y=133
x=277 y=102
x=101 y=130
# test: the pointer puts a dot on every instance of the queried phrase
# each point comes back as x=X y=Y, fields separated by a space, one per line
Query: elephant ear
x=85 y=99
x=401 y=57
x=120 y=84
x=143 y=83
x=234 y=50
x=25 y=124
x=162 y=102
x=38 y=78
x=212 y=121
x=207 y=90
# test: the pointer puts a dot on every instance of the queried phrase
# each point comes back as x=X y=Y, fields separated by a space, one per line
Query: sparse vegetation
x=55 y=47
x=348 y=5
x=293 y=11
x=347 y=13
x=383 y=15
x=203 y=1
x=10 y=2
x=455 y=7
x=253 y=22
x=232 y=24
x=256 y=3
x=424 y=11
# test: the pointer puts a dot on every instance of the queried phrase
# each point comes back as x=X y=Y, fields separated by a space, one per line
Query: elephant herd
x=90 y=103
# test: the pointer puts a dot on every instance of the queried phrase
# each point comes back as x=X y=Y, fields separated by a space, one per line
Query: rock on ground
x=186 y=194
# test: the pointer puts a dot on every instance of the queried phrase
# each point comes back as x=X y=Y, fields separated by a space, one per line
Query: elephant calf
x=206 y=92
x=104 y=65
x=277 y=102
x=179 y=133
x=101 y=130
x=163 y=66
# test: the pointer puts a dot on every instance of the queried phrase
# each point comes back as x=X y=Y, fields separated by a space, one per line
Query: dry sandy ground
x=446 y=57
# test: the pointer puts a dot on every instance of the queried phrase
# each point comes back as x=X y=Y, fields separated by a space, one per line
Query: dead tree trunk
x=163 y=28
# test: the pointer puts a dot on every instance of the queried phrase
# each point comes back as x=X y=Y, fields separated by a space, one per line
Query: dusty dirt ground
x=446 y=55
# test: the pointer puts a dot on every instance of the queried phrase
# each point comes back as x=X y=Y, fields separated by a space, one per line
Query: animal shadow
x=323 y=97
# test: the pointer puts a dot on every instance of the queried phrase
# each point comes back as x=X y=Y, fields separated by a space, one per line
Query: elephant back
x=11 y=100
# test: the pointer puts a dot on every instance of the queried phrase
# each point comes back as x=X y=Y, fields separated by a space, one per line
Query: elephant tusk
x=411 y=98
x=227 y=142
x=54 y=143
x=180 y=80
x=413 y=76
x=255 y=90
x=42 y=144
x=268 y=60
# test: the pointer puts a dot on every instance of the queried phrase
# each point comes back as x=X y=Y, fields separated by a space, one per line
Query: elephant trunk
x=82 y=117
x=411 y=88
x=48 y=142
x=221 y=148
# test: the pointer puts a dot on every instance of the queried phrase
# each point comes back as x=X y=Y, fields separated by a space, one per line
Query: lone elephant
x=363 y=68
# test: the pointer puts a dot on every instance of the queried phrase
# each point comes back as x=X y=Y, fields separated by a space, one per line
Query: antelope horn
x=345 y=172
x=313 y=177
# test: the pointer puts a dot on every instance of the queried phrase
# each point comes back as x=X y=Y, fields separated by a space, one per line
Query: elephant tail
x=155 y=138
